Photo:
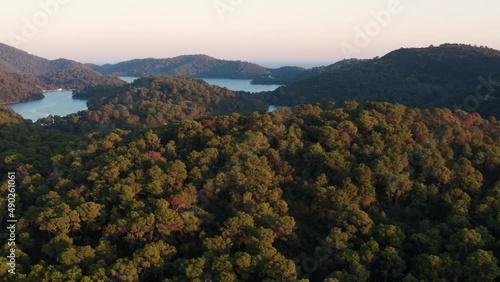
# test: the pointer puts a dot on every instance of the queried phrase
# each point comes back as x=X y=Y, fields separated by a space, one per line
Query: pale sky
x=101 y=31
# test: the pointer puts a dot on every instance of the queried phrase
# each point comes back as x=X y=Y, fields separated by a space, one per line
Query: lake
x=240 y=84
x=273 y=108
x=128 y=79
x=55 y=103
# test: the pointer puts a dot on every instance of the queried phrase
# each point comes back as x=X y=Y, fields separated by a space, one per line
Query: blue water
x=273 y=108
x=240 y=84
x=128 y=79
x=55 y=103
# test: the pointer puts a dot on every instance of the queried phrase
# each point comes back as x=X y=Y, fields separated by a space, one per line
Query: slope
x=16 y=87
x=15 y=60
x=444 y=76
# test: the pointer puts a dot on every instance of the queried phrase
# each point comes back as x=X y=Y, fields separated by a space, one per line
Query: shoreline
x=57 y=90
x=38 y=96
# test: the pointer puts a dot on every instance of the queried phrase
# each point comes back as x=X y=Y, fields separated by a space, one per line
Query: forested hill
x=18 y=61
x=23 y=76
x=154 y=101
x=443 y=76
x=368 y=192
x=201 y=66
x=17 y=87
x=79 y=78
x=289 y=75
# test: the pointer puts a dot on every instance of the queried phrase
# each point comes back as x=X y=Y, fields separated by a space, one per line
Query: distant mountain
x=23 y=76
x=78 y=78
x=187 y=65
x=200 y=66
x=444 y=76
x=18 y=61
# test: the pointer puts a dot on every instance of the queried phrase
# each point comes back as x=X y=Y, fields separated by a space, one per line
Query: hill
x=154 y=101
x=187 y=65
x=201 y=66
x=17 y=87
x=368 y=192
x=443 y=76
x=79 y=78
x=13 y=60
x=157 y=186
x=18 y=61
x=290 y=75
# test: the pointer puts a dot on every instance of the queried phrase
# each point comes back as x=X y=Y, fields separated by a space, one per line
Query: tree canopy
x=366 y=192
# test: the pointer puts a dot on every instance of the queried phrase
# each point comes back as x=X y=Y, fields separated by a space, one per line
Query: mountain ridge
x=443 y=76
x=23 y=62
x=197 y=65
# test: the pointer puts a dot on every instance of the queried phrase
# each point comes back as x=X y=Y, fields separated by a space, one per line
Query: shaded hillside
x=154 y=101
x=15 y=60
x=431 y=77
x=283 y=75
x=346 y=63
x=4 y=67
x=16 y=87
x=289 y=75
x=201 y=66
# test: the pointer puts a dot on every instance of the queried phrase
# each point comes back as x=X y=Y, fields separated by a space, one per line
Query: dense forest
x=79 y=78
x=152 y=101
x=16 y=87
x=455 y=76
x=366 y=192
x=173 y=179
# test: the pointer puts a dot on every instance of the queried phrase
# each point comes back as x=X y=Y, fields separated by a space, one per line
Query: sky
x=109 y=31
